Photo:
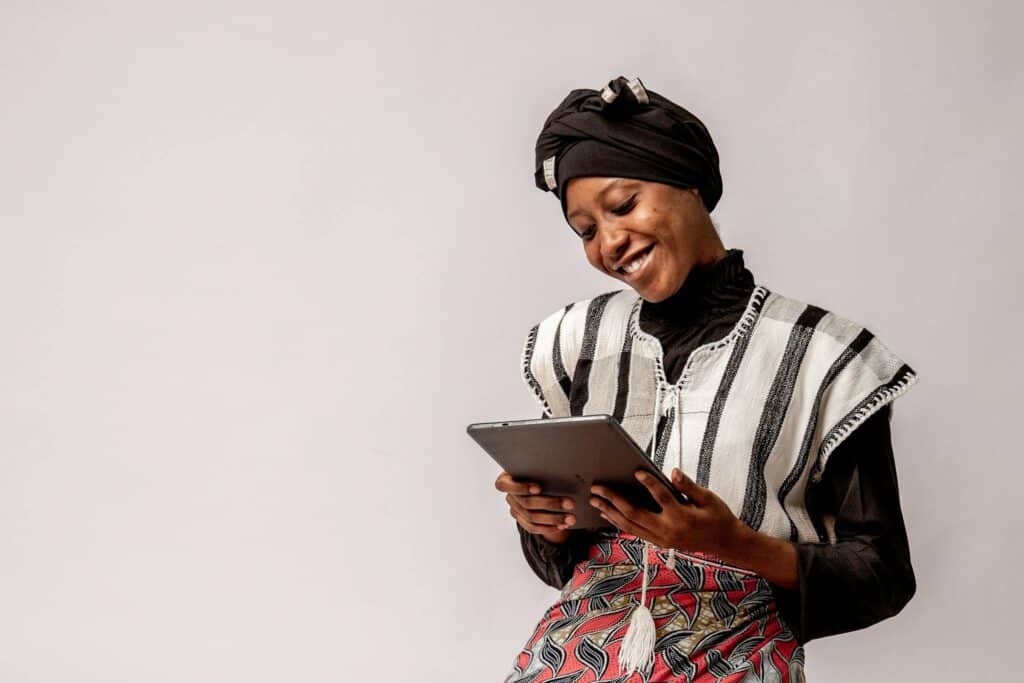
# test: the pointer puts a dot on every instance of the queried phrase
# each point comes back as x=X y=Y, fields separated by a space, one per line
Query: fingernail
x=640 y=475
x=569 y=520
x=567 y=503
x=534 y=489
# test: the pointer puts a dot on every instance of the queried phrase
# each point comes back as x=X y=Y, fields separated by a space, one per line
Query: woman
x=770 y=414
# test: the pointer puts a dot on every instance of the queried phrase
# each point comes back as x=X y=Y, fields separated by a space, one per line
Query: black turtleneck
x=704 y=309
x=863 y=578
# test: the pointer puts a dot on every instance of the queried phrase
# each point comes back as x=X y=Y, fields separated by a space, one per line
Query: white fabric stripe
x=638 y=89
x=571 y=338
x=707 y=373
x=856 y=383
x=784 y=456
x=549 y=173
x=831 y=337
x=603 y=381
x=693 y=424
x=640 y=402
x=738 y=425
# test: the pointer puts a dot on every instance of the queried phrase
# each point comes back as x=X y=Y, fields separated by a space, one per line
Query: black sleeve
x=553 y=563
x=866 y=575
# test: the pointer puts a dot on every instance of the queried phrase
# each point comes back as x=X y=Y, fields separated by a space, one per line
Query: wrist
x=738 y=542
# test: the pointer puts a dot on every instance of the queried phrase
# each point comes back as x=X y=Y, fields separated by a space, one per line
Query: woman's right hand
x=531 y=509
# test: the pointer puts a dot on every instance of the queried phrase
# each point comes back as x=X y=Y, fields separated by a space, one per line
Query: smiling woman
x=772 y=416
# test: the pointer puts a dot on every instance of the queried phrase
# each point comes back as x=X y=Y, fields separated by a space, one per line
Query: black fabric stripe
x=664 y=424
x=659 y=456
x=848 y=354
x=531 y=379
x=776 y=406
x=581 y=375
x=556 y=355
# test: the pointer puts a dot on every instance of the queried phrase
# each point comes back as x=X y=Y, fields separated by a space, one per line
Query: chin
x=651 y=299
x=651 y=294
x=655 y=292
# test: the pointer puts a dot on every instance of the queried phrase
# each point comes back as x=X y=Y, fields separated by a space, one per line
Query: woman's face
x=647 y=234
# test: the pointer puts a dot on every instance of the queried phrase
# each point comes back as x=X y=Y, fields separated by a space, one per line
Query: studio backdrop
x=261 y=264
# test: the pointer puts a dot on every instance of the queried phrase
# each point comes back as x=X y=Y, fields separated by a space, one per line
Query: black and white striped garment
x=754 y=415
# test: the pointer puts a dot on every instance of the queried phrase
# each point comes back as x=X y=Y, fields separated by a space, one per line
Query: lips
x=626 y=261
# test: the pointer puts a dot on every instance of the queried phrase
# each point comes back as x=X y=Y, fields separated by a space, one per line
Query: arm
x=553 y=563
x=866 y=576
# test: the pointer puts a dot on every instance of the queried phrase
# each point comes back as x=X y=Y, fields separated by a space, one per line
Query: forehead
x=585 y=190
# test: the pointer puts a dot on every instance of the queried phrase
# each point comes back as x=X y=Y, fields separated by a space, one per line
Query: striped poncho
x=754 y=416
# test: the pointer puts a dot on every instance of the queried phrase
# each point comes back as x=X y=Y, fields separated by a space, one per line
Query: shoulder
x=594 y=305
x=565 y=327
x=832 y=334
x=852 y=372
x=554 y=344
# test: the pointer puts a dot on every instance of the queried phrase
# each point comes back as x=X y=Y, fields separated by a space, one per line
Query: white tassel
x=637 y=650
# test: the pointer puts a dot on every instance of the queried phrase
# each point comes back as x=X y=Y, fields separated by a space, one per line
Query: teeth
x=636 y=265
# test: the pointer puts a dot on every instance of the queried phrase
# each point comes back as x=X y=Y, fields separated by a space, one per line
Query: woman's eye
x=588 y=235
x=625 y=208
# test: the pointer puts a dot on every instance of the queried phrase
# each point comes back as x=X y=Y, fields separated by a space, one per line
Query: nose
x=613 y=246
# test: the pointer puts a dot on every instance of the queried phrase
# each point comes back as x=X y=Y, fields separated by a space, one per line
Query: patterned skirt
x=714 y=622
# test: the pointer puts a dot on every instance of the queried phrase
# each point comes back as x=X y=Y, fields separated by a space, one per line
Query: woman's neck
x=706 y=287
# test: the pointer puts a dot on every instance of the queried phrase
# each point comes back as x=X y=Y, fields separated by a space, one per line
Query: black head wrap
x=626 y=131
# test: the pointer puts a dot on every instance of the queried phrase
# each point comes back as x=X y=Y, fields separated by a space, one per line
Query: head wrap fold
x=626 y=131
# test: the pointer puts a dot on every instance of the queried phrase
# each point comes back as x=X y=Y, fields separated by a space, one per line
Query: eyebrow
x=604 y=189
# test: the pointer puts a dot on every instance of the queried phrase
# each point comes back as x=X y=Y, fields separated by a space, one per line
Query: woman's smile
x=637 y=268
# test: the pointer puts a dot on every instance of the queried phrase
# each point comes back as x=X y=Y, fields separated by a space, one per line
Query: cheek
x=654 y=224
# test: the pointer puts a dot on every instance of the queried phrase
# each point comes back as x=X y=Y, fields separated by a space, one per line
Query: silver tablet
x=565 y=455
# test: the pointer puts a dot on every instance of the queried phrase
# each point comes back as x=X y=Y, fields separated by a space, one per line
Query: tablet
x=565 y=455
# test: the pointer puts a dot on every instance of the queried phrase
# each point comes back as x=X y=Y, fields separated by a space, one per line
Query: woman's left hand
x=706 y=524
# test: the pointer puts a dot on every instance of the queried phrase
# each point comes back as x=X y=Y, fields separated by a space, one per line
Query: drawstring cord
x=637 y=651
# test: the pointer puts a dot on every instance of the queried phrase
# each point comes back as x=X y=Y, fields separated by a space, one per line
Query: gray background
x=261 y=263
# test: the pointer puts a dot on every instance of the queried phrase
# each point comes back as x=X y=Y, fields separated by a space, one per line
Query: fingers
x=693 y=491
x=523 y=490
x=537 y=514
x=537 y=522
x=507 y=484
x=543 y=502
x=617 y=507
x=615 y=517
x=659 y=492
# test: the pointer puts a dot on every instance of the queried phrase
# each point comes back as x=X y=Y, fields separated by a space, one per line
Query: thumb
x=687 y=486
